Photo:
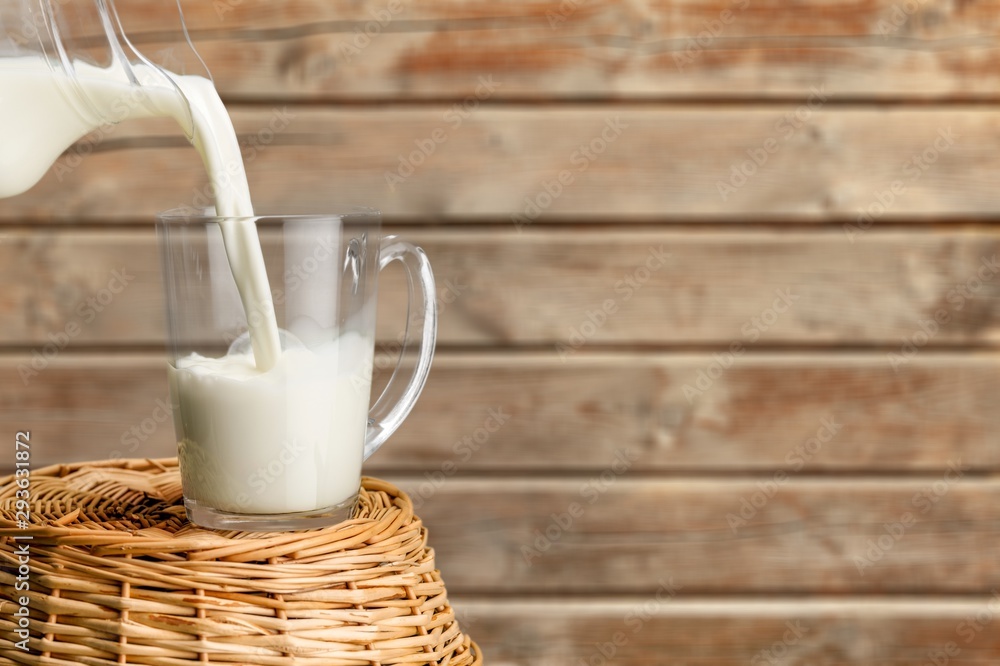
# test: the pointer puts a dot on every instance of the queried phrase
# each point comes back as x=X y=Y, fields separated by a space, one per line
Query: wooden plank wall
x=742 y=422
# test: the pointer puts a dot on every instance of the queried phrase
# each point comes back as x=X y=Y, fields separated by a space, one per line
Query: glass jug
x=67 y=68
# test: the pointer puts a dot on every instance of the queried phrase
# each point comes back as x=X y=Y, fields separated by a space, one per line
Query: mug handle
x=400 y=394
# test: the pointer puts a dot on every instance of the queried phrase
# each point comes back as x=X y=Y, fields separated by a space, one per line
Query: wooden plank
x=936 y=534
x=765 y=413
x=573 y=290
x=665 y=163
x=319 y=50
x=642 y=629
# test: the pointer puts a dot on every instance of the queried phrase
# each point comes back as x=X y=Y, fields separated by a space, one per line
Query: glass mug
x=283 y=449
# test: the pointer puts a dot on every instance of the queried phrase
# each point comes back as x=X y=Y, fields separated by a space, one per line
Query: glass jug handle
x=405 y=385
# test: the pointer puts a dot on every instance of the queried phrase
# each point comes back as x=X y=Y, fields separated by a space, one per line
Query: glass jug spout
x=157 y=69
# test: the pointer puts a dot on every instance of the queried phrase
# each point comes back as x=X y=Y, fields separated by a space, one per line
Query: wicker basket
x=119 y=576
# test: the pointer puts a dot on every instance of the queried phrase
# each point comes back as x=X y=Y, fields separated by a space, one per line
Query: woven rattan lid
x=117 y=575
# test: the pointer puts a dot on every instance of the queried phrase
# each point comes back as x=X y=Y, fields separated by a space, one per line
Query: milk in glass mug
x=279 y=445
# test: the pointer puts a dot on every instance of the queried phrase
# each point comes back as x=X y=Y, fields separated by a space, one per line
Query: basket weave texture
x=119 y=576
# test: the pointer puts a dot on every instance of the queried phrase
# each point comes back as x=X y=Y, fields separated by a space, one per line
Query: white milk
x=269 y=432
x=286 y=440
x=39 y=123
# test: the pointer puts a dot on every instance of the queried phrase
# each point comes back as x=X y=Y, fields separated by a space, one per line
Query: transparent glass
x=283 y=449
x=68 y=68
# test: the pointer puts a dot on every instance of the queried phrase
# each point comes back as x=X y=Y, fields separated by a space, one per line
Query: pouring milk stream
x=42 y=121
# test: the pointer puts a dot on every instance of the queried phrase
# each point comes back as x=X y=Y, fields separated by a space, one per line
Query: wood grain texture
x=579 y=289
x=613 y=533
x=572 y=49
x=766 y=413
x=902 y=631
x=666 y=164
x=704 y=447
